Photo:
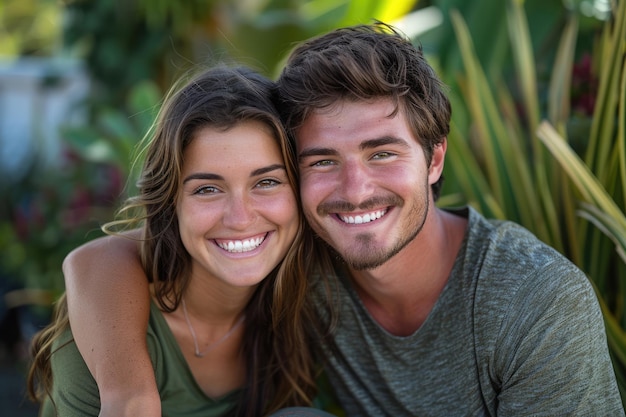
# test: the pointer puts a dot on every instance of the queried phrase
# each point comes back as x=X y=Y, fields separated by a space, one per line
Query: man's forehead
x=349 y=114
x=337 y=107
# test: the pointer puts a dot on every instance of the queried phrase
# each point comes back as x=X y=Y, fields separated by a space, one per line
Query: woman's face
x=237 y=212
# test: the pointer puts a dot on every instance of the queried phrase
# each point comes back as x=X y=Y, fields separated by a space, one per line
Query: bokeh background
x=537 y=86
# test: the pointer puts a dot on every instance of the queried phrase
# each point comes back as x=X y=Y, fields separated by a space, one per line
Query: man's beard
x=370 y=257
x=377 y=257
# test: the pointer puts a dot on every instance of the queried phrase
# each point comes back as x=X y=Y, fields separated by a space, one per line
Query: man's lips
x=362 y=218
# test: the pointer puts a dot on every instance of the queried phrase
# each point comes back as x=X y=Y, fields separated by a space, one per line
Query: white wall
x=37 y=97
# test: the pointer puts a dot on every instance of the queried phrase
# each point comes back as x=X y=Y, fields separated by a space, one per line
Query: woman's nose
x=239 y=212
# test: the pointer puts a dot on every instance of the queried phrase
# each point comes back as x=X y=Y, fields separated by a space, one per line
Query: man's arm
x=109 y=304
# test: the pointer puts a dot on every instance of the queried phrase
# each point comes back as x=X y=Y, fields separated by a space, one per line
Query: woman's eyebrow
x=265 y=170
x=210 y=176
x=202 y=176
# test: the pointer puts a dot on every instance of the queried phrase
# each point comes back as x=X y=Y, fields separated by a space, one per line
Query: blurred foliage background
x=538 y=132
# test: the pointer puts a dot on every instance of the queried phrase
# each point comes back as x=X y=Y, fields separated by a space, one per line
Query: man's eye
x=323 y=163
x=383 y=155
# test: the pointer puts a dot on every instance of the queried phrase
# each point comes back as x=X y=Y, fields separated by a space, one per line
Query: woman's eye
x=206 y=189
x=267 y=183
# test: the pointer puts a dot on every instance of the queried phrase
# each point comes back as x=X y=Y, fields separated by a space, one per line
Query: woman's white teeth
x=241 y=245
x=366 y=218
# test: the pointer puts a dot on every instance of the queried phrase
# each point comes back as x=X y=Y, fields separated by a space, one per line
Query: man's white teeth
x=366 y=218
x=241 y=245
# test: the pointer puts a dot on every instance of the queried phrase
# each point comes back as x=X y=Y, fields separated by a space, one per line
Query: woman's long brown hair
x=280 y=323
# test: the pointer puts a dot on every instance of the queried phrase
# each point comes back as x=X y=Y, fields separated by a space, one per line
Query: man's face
x=365 y=181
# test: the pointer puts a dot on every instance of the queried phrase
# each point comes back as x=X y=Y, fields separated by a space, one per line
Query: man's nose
x=356 y=182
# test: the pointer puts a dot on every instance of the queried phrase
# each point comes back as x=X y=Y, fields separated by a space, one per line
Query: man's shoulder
x=503 y=257
x=505 y=242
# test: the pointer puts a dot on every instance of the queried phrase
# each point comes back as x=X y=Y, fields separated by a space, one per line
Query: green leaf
x=116 y=124
x=561 y=79
x=363 y=11
x=89 y=144
x=609 y=226
x=143 y=103
x=591 y=189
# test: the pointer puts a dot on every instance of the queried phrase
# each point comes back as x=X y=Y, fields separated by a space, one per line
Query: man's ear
x=436 y=163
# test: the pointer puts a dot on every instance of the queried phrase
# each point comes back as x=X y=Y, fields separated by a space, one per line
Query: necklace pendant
x=213 y=345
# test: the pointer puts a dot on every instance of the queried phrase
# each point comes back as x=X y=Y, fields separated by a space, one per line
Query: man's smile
x=362 y=218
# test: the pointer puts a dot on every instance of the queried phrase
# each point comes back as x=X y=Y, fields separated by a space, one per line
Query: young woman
x=224 y=247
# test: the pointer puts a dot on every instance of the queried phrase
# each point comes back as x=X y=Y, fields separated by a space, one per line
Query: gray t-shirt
x=516 y=331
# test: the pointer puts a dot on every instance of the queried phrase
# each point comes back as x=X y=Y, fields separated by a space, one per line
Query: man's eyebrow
x=366 y=144
x=316 y=152
x=384 y=140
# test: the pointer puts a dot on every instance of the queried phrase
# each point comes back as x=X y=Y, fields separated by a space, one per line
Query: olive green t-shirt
x=75 y=392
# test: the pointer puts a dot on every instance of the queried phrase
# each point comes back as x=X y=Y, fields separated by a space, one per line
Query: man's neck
x=401 y=293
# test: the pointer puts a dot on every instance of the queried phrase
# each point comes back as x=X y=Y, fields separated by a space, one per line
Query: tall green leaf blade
x=470 y=176
x=589 y=186
x=621 y=133
x=525 y=61
x=501 y=150
x=607 y=225
x=561 y=79
x=610 y=65
x=480 y=99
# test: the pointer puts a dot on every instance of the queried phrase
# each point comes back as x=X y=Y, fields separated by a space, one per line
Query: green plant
x=50 y=211
x=157 y=40
x=30 y=28
x=505 y=170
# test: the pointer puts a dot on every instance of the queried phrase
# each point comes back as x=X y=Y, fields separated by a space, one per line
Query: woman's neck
x=209 y=326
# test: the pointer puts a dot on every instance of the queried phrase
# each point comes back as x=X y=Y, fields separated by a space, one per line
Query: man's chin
x=365 y=259
x=369 y=264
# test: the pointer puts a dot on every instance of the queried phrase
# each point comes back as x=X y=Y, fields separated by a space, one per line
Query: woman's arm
x=109 y=304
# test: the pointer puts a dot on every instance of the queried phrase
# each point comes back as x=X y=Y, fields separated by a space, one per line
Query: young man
x=440 y=312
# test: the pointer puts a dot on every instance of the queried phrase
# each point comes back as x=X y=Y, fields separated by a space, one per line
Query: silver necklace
x=214 y=344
